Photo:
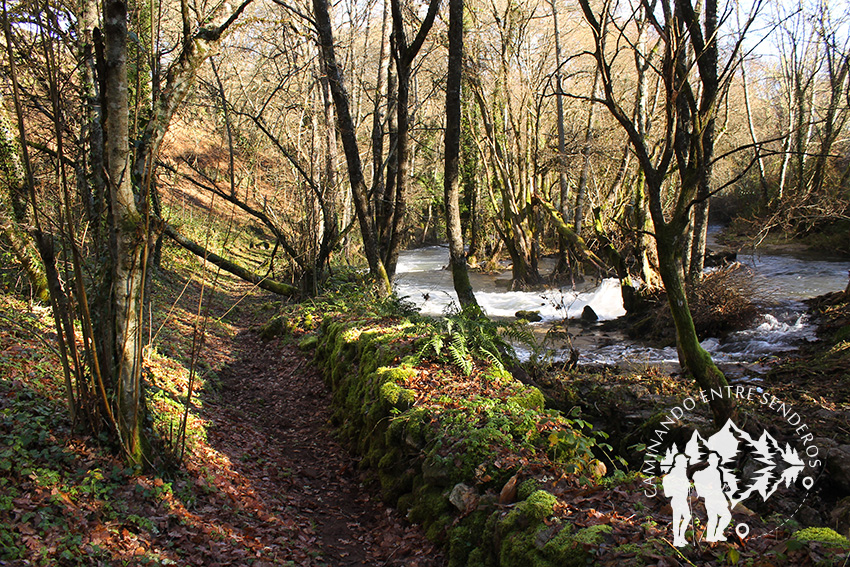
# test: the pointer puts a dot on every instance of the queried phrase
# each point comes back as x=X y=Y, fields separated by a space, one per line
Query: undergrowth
x=722 y=301
x=66 y=498
x=461 y=337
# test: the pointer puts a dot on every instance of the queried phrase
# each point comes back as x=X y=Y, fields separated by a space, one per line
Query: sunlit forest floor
x=263 y=481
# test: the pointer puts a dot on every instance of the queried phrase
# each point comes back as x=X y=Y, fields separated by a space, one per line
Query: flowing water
x=782 y=280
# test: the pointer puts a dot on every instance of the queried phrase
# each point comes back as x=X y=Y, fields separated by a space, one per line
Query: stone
x=743 y=510
x=719 y=259
x=840 y=517
x=509 y=491
x=588 y=314
x=530 y=316
x=838 y=467
x=310 y=342
x=464 y=497
x=435 y=472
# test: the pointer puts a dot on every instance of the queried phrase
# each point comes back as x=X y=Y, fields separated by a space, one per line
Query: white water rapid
x=422 y=279
x=783 y=279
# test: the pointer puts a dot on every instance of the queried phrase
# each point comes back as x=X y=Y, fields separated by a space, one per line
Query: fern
x=460 y=353
x=467 y=336
x=493 y=358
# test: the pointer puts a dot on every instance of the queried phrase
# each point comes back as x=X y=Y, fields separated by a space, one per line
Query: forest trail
x=273 y=401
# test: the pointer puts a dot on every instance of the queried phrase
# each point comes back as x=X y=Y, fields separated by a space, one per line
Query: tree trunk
x=384 y=206
x=349 y=146
x=695 y=358
x=470 y=176
x=378 y=128
x=707 y=66
x=838 y=68
x=404 y=55
x=402 y=172
x=578 y=218
x=644 y=246
x=573 y=238
x=756 y=145
x=787 y=145
x=457 y=256
x=12 y=183
x=90 y=170
x=682 y=141
x=514 y=220
x=564 y=189
x=231 y=267
x=129 y=237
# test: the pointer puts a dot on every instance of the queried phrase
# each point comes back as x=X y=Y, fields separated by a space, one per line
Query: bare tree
x=404 y=53
x=349 y=144
x=683 y=147
x=457 y=255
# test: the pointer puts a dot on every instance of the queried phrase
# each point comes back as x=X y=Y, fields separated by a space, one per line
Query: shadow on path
x=272 y=424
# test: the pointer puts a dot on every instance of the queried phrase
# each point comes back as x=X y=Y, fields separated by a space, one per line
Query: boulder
x=588 y=314
x=530 y=316
x=464 y=497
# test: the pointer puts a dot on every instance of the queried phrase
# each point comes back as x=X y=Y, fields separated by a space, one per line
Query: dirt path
x=273 y=412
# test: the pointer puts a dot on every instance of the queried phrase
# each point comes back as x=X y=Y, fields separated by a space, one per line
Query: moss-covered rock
x=529 y=398
x=539 y=505
x=275 y=327
x=825 y=536
x=527 y=487
x=309 y=342
x=527 y=540
x=530 y=316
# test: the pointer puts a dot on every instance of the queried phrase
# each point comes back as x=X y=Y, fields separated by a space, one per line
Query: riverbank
x=813 y=382
x=629 y=407
x=749 y=237
x=251 y=491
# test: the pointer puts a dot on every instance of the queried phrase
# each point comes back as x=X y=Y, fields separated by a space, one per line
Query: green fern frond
x=461 y=359
x=493 y=358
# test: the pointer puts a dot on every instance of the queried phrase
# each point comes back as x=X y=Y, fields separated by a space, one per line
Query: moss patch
x=825 y=536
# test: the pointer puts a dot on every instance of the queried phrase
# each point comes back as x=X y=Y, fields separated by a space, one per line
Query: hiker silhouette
x=708 y=484
x=677 y=486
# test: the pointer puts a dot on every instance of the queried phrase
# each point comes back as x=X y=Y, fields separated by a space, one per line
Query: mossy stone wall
x=365 y=364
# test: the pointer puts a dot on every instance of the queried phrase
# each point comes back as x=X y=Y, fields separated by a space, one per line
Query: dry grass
x=723 y=301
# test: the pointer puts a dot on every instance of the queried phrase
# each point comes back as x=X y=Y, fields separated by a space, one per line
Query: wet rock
x=588 y=314
x=719 y=259
x=530 y=316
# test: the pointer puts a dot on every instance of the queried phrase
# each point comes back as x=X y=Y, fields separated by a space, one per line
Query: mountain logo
x=728 y=467
x=715 y=479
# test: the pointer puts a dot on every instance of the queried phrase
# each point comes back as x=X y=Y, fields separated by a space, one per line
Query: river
x=784 y=280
